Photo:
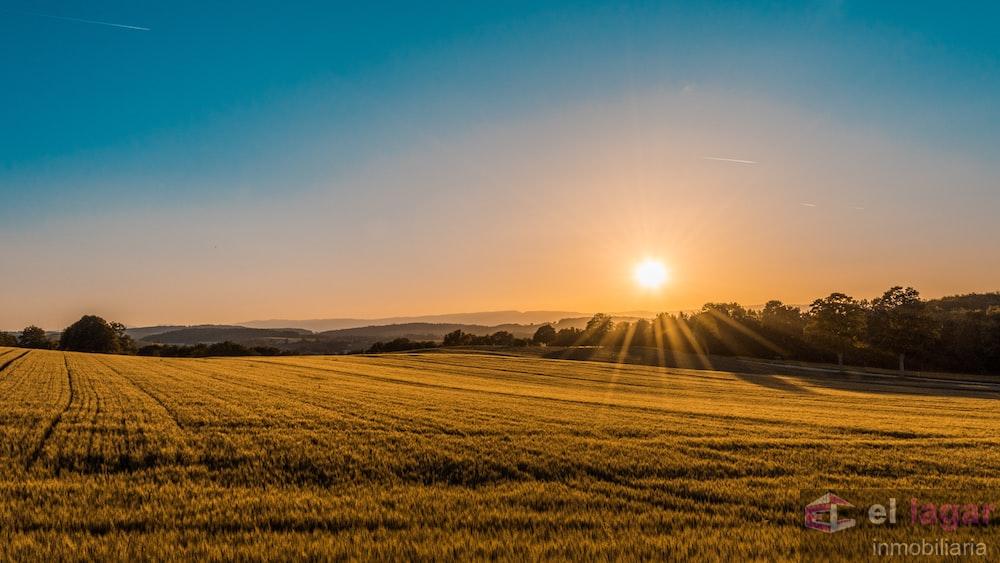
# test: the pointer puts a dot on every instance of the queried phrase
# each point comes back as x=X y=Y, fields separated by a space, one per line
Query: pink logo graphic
x=821 y=514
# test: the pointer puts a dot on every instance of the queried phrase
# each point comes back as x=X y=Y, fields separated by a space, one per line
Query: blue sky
x=248 y=105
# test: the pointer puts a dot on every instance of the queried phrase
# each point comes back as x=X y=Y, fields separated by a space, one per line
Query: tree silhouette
x=642 y=334
x=837 y=323
x=33 y=337
x=91 y=334
x=784 y=325
x=7 y=339
x=570 y=336
x=544 y=335
x=455 y=338
x=598 y=327
x=900 y=322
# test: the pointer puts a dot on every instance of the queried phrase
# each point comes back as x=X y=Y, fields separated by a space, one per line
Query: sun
x=650 y=273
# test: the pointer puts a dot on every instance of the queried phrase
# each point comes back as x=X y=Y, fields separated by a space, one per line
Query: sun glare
x=650 y=273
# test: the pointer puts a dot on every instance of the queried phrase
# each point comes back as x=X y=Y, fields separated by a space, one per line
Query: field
x=455 y=456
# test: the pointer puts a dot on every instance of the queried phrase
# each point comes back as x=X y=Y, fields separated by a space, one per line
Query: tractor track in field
x=647 y=409
x=37 y=452
x=7 y=363
x=283 y=392
x=170 y=412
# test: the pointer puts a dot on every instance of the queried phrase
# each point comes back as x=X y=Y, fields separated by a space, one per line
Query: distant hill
x=333 y=341
x=428 y=331
x=967 y=302
x=359 y=338
x=211 y=334
x=139 y=333
x=314 y=336
x=581 y=322
x=492 y=318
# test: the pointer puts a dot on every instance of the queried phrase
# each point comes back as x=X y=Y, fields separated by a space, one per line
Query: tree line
x=89 y=334
x=96 y=335
x=896 y=329
x=225 y=348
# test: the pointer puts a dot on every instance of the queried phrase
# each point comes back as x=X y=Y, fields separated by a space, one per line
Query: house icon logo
x=822 y=514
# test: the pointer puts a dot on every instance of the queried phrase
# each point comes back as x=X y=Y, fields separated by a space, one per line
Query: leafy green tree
x=900 y=322
x=544 y=335
x=34 y=337
x=836 y=323
x=90 y=334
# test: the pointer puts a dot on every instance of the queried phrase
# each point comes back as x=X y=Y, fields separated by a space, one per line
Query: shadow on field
x=779 y=376
x=775 y=382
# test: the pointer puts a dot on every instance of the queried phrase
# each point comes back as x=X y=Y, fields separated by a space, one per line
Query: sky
x=183 y=163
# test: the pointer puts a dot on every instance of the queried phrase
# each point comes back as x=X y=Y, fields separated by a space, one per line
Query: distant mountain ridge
x=347 y=334
x=486 y=318
x=140 y=333
x=346 y=339
x=967 y=302
x=212 y=334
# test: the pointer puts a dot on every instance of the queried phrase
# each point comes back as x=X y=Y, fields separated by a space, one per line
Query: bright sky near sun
x=187 y=163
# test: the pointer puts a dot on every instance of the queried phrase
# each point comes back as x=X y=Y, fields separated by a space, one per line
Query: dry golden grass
x=453 y=456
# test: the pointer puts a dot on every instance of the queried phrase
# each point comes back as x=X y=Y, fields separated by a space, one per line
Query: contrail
x=808 y=204
x=95 y=22
x=736 y=160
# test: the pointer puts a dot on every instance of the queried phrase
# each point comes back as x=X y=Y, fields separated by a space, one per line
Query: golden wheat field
x=454 y=456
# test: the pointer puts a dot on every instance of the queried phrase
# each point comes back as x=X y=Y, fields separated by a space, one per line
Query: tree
x=7 y=339
x=228 y=348
x=642 y=335
x=782 y=319
x=837 y=323
x=598 y=327
x=544 y=335
x=570 y=336
x=398 y=345
x=501 y=338
x=900 y=322
x=730 y=329
x=125 y=343
x=33 y=337
x=455 y=338
x=91 y=334
x=784 y=325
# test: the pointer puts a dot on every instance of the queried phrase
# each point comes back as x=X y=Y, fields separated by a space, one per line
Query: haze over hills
x=355 y=334
x=488 y=318
x=211 y=334
x=314 y=334
x=337 y=341
x=343 y=340
x=515 y=322
x=142 y=332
